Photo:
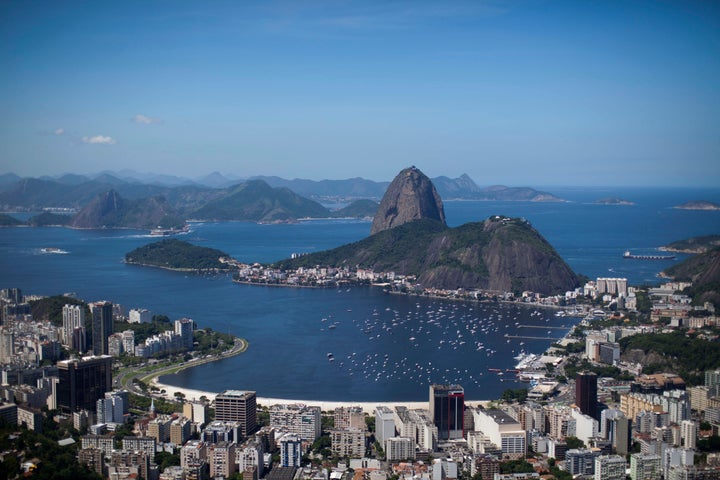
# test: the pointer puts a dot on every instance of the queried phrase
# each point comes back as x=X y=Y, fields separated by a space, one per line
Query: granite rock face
x=410 y=196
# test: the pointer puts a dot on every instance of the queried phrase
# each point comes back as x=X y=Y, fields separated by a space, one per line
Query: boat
x=630 y=256
x=53 y=250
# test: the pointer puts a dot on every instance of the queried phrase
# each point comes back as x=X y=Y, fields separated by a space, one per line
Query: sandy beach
x=367 y=407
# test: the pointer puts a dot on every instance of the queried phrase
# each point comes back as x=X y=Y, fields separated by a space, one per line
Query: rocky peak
x=410 y=196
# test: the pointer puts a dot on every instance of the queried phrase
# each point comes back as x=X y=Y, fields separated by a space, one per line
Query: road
x=125 y=377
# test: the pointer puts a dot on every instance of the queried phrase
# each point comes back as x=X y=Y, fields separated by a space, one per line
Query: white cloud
x=145 y=120
x=59 y=131
x=99 y=140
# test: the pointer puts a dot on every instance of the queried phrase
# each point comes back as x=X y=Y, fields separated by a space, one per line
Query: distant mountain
x=362 y=208
x=410 y=238
x=344 y=189
x=71 y=179
x=515 y=194
x=462 y=187
x=698 y=205
x=216 y=180
x=410 y=196
x=110 y=210
x=8 y=179
x=9 y=221
x=257 y=201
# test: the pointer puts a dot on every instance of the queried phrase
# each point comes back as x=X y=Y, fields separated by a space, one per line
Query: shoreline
x=325 y=405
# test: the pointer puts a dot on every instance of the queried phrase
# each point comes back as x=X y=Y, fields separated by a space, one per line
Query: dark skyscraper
x=102 y=326
x=586 y=393
x=82 y=382
x=447 y=408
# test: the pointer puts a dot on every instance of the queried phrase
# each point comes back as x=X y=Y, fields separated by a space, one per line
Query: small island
x=173 y=254
x=698 y=205
x=613 y=201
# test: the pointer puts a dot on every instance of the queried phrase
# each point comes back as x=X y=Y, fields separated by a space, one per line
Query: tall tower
x=102 y=326
x=82 y=382
x=447 y=409
x=586 y=393
x=237 y=406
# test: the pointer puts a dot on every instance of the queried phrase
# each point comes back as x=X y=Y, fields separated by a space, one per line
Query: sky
x=523 y=93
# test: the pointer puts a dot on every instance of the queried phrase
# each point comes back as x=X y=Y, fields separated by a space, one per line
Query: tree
x=574 y=442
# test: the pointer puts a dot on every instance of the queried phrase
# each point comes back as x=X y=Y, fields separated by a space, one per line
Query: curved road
x=125 y=377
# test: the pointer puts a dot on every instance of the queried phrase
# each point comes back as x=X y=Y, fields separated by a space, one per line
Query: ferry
x=53 y=250
x=629 y=255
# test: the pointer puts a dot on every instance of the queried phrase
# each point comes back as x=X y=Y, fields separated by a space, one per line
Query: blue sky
x=520 y=93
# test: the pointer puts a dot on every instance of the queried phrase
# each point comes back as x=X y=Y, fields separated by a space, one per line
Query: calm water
x=385 y=347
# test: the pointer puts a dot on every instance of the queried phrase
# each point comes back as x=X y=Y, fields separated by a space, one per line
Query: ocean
x=384 y=347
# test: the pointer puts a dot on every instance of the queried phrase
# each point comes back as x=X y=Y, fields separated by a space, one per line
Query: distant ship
x=53 y=250
x=629 y=255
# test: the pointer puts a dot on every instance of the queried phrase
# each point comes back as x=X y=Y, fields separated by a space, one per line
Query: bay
x=374 y=358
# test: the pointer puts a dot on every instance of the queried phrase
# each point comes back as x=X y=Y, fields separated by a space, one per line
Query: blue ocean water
x=385 y=347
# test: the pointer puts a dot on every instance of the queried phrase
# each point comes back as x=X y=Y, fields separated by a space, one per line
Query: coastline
x=367 y=407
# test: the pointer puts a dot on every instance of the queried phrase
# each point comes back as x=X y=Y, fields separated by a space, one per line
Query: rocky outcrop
x=410 y=196
x=501 y=254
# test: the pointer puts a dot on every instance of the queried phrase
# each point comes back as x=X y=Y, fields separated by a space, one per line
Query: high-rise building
x=73 y=317
x=290 y=450
x=447 y=409
x=7 y=345
x=384 y=424
x=82 y=382
x=645 y=467
x=689 y=433
x=297 y=418
x=610 y=467
x=586 y=393
x=102 y=326
x=184 y=327
x=237 y=406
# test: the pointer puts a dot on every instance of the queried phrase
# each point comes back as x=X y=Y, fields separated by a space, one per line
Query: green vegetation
x=8 y=221
x=516 y=466
x=694 y=244
x=514 y=395
x=46 y=219
x=52 y=461
x=167 y=459
x=685 y=354
x=50 y=308
x=572 y=367
x=209 y=340
x=159 y=324
x=177 y=254
x=574 y=442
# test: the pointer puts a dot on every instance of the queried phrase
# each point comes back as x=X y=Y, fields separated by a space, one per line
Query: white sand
x=368 y=407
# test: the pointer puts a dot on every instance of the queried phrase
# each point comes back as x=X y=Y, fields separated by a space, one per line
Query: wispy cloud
x=99 y=140
x=145 y=120
x=59 y=131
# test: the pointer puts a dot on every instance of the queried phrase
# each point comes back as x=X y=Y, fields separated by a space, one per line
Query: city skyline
x=521 y=93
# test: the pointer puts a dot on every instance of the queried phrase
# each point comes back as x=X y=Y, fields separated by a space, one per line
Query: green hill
x=703 y=271
x=9 y=221
x=501 y=254
x=177 y=255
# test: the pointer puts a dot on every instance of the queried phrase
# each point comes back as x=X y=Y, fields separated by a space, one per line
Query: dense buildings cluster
x=647 y=427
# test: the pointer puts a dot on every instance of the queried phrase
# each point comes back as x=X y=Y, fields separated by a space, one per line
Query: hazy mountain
x=110 y=210
x=257 y=201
